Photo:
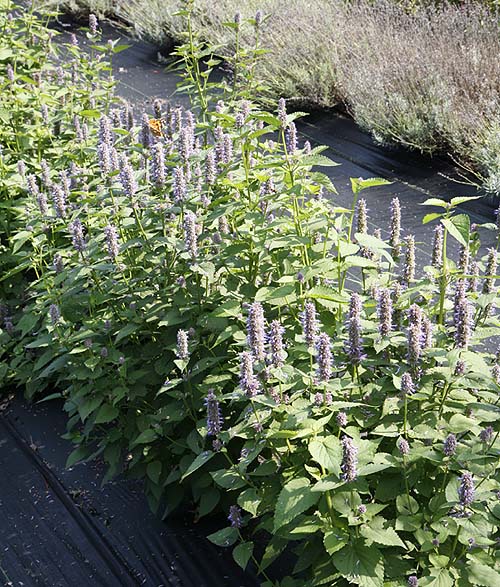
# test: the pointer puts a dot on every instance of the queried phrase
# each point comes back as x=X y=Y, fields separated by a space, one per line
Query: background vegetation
x=420 y=75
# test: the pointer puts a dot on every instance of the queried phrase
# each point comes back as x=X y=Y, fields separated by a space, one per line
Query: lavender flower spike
x=324 y=357
x=275 y=338
x=466 y=489
x=450 y=445
x=214 y=417
x=256 y=331
x=349 y=465
x=111 y=236
x=395 y=237
x=412 y=581
x=384 y=312
x=437 y=247
x=77 y=238
x=354 y=349
x=409 y=266
x=158 y=164
x=235 y=517
x=190 y=234
x=182 y=351
x=54 y=314
x=310 y=324
x=248 y=381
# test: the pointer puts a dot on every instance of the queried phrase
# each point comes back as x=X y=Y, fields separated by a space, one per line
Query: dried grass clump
x=428 y=78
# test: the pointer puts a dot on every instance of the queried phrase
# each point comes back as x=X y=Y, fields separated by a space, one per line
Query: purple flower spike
x=248 y=381
x=182 y=351
x=310 y=323
x=256 y=336
x=349 y=465
x=354 y=346
x=214 y=417
x=275 y=338
x=324 y=357
x=235 y=517
x=466 y=490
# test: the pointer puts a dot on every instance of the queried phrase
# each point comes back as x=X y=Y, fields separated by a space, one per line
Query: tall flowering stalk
x=324 y=357
x=437 y=247
x=310 y=324
x=349 y=466
x=466 y=489
x=409 y=265
x=275 y=338
x=182 y=350
x=248 y=381
x=214 y=416
x=354 y=344
x=256 y=333
x=111 y=236
x=395 y=235
x=491 y=270
x=190 y=234
x=384 y=312
x=158 y=164
x=77 y=237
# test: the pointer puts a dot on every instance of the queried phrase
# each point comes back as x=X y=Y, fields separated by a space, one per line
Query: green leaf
x=225 y=537
x=106 y=413
x=79 y=454
x=145 y=437
x=208 y=500
x=384 y=536
x=316 y=161
x=242 y=553
x=295 y=497
x=458 y=227
x=430 y=217
x=249 y=500
x=153 y=471
x=358 y=184
x=461 y=199
x=327 y=452
x=438 y=578
x=198 y=462
x=360 y=564
x=435 y=202
x=334 y=541
x=482 y=575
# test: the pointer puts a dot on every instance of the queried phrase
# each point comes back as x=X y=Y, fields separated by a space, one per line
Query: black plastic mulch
x=60 y=528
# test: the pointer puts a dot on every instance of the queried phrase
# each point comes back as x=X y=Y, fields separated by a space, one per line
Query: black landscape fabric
x=60 y=528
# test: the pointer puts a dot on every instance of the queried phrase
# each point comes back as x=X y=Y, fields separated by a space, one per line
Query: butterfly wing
x=156 y=126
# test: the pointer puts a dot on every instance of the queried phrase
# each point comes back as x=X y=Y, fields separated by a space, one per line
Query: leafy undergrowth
x=218 y=327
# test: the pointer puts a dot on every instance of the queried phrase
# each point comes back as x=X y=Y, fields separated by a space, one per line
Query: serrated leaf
x=334 y=541
x=224 y=537
x=242 y=554
x=458 y=227
x=295 y=497
x=327 y=452
x=198 y=462
x=358 y=184
x=153 y=471
x=384 y=536
x=482 y=575
x=435 y=202
x=249 y=500
x=106 y=413
x=360 y=564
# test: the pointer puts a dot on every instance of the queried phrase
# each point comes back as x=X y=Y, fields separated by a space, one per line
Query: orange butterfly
x=156 y=126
